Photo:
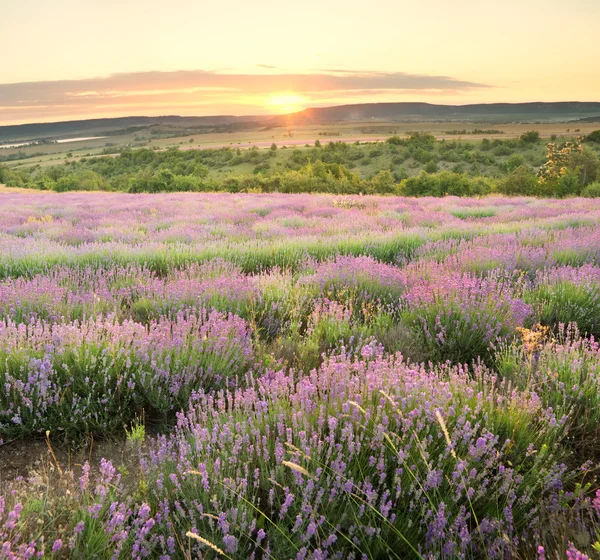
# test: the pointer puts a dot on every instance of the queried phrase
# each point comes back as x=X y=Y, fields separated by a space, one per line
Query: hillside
x=385 y=112
x=110 y=126
x=493 y=112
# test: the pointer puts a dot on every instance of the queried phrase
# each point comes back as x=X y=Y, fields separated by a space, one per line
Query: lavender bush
x=302 y=376
x=94 y=376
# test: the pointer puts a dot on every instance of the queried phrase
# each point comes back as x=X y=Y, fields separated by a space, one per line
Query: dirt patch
x=21 y=458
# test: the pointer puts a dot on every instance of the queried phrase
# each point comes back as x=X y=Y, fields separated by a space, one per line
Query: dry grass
x=365 y=131
x=5 y=189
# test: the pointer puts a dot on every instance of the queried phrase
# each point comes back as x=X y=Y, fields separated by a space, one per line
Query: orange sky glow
x=75 y=59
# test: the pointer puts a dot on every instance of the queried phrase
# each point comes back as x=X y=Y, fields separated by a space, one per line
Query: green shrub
x=521 y=181
x=422 y=140
x=382 y=183
x=396 y=141
x=567 y=302
x=445 y=183
x=593 y=137
x=530 y=137
x=592 y=190
x=513 y=162
x=66 y=183
x=431 y=167
x=568 y=185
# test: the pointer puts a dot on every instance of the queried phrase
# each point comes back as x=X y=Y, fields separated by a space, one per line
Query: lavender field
x=301 y=376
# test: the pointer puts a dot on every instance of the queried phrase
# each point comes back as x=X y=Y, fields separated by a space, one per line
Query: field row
x=302 y=376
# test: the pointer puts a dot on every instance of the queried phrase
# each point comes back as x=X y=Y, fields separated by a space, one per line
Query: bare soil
x=21 y=458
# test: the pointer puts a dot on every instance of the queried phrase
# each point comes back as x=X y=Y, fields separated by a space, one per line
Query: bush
x=66 y=183
x=98 y=374
x=565 y=302
x=514 y=161
x=396 y=141
x=592 y=190
x=262 y=168
x=431 y=167
x=503 y=150
x=382 y=183
x=422 y=140
x=11 y=178
x=464 y=317
x=88 y=180
x=567 y=185
x=586 y=164
x=445 y=183
x=593 y=137
x=521 y=181
x=530 y=137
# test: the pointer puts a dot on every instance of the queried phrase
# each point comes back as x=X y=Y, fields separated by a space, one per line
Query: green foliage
x=593 y=137
x=396 y=141
x=514 y=161
x=445 y=183
x=201 y=171
x=272 y=170
x=567 y=302
x=586 y=164
x=422 y=140
x=568 y=184
x=592 y=190
x=521 y=181
x=445 y=330
x=137 y=433
x=67 y=183
x=475 y=213
x=382 y=183
x=431 y=167
x=530 y=137
x=88 y=180
x=565 y=374
x=12 y=178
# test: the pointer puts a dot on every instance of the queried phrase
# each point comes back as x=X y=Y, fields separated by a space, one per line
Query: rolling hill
x=403 y=112
x=390 y=112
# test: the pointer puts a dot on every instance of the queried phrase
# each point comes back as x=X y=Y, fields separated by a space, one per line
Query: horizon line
x=276 y=115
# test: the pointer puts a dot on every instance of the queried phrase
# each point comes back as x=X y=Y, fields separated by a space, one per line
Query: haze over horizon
x=108 y=58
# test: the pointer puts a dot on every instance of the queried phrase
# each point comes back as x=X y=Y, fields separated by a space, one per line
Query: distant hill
x=407 y=112
x=394 y=112
x=107 y=126
x=594 y=119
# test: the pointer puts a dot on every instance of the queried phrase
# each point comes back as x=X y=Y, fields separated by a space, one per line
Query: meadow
x=468 y=161
x=415 y=164
x=301 y=376
x=165 y=137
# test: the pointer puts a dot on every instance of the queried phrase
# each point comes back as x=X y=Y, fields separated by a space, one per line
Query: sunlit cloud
x=211 y=92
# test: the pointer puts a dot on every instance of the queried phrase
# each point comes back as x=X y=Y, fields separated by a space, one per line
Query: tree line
x=567 y=169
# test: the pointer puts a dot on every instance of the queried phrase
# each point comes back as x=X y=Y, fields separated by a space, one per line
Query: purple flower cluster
x=267 y=333
x=67 y=293
x=356 y=455
x=97 y=373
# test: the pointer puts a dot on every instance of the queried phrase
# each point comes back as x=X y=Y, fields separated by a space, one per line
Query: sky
x=73 y=59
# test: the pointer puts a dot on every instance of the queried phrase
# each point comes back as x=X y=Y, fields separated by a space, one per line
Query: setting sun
x=286 y=102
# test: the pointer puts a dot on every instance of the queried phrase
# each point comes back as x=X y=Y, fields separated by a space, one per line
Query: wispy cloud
x=146 y=92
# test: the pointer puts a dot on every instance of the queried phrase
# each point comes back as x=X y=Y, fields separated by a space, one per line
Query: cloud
x=267 y=66
x=149 y=92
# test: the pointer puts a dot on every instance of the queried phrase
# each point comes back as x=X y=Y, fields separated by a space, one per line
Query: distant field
x=462 y=162
x=49 y=154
